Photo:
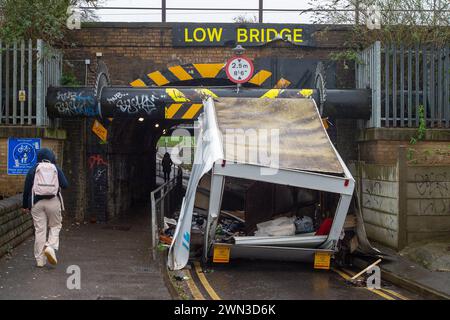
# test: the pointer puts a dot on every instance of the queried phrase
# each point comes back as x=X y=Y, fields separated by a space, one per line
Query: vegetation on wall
x=69 y=79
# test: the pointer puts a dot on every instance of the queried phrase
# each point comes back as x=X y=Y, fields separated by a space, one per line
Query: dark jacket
x=166 y=163
x=43 y=154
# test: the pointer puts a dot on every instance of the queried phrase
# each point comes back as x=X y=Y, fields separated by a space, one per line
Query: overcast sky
x=142 y=15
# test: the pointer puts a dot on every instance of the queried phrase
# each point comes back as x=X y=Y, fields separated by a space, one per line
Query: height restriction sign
x=239 y=69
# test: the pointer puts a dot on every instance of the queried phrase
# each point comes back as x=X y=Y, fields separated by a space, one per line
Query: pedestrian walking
x=167 y=166
x=42 y=196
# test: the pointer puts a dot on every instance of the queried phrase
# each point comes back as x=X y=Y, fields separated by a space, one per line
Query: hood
x=46 y=154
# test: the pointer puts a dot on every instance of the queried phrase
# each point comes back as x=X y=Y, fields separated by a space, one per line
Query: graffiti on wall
x=98 y=177
x=432 y=184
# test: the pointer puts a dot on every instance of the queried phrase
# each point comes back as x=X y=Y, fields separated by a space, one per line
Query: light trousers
x=46 y=215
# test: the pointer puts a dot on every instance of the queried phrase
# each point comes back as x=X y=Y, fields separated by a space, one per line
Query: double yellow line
x=196 y=293
x=384 y=293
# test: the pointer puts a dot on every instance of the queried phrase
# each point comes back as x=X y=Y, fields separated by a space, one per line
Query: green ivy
x=69 y=80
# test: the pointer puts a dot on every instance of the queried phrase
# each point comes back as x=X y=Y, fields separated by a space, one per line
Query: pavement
x=115 y=263
x=409 y=274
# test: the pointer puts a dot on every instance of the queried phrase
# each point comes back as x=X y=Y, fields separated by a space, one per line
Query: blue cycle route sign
x=22 y=154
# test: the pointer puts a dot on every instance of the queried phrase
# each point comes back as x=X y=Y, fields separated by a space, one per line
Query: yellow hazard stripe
x=206 y=92
x=158 y=78
x=180 y=73
x=306 y=92
x=260 y=77
x=205 y=282
x=396 y=294
x=138 y=83
x=193 y=287
x=208 y=70
x=192 y=111
x=271 y=94
x=172 y=110
x=176 y=95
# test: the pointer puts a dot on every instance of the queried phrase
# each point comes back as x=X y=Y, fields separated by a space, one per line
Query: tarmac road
x=272 y=280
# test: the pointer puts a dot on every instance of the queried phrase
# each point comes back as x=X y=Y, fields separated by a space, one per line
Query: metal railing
x=350 y=14
x=368 y=75
x=27 y=69
x=410 y=77
x=164 y=201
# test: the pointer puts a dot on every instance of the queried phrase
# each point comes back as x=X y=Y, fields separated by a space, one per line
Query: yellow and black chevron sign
x=183 y=108
x=194 y=71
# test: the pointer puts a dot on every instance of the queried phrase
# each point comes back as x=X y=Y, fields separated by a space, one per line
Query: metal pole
x=1 y=81
x=39 y=84
x=163 y=10
x=261 y=11
x=14 y=83
x=30 y=80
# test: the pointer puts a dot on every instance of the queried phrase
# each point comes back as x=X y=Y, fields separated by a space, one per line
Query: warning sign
x=100 y=130
x=221 y=254
x=239 y=69
x=22 y=96
x=322 y=260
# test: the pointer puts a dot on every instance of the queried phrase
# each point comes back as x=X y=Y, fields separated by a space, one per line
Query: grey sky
x=140 y=15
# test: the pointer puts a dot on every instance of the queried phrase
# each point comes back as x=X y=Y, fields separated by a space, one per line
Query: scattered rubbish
x=304 y=224
x=356 y=276
x=283 y=226
x=165 y=239
x=179 y=276
x=168 y=222
x=234 y=215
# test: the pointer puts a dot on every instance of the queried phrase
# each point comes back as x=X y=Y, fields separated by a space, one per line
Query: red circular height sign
x=239 y=69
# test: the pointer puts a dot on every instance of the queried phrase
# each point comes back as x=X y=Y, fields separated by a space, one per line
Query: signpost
x=239 y=69
x=22 y=155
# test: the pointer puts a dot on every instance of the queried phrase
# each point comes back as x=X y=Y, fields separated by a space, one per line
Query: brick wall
x=15 y=227
x=133 y=50
x=381 y=145
x=75 y=168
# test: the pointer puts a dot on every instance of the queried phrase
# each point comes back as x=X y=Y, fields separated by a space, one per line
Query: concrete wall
x=407 y=201
x=15 y=227
x=427 y=202
x=378 y=187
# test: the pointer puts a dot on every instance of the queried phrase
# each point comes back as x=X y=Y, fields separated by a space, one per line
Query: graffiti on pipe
x=71 y=103
x=134 y=104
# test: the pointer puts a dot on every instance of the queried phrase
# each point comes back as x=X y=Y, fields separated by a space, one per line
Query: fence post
x=39 y=84
x=14 y=92
x=261 y=11
x=376 y=83
x=402 y=168
x=1 y=81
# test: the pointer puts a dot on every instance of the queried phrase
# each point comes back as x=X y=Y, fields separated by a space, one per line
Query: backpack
x=46 y=181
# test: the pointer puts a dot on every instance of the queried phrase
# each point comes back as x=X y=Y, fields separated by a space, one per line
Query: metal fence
x=27 y=69
x=164 y=201
x=368 y=75
x=410 y=77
